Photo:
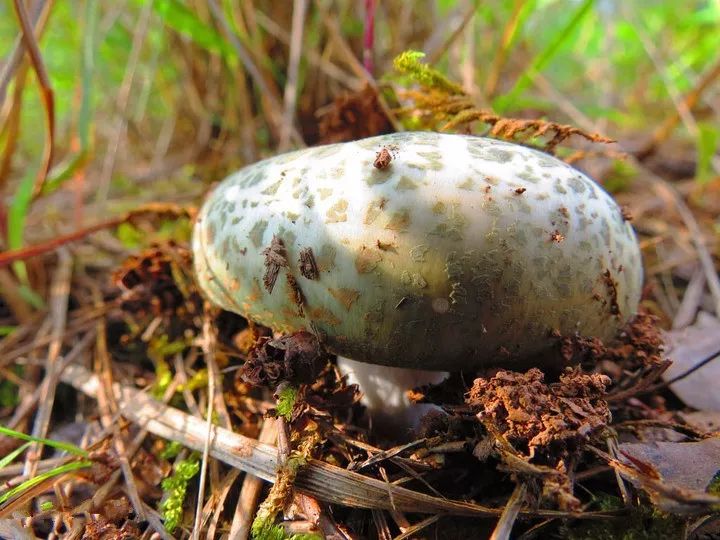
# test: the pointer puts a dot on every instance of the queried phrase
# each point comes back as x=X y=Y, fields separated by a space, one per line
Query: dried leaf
x=675 y=474
x=688 y=347
x=534 y=416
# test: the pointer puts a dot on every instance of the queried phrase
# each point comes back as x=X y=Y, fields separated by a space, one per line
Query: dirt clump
x=354 y=116
x=547 y=422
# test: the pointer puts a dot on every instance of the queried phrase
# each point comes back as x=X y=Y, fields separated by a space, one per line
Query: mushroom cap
x=459 y=252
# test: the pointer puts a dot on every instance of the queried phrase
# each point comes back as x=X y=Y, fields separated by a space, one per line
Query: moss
x=286 y=401
x=620 y=177
x=172 y=450
x=641 y=523
x=408 y=63
x=264 y=527
x=174 y=490
x=269 y=531
x=714 y=485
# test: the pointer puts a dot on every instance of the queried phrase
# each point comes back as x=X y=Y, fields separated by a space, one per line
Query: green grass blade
x=59 y=445
x=502 y=103
x=178 y=17
x=707 y=144
x=87 y=72
x=17 y=215
x=8 y=459
x=27 y=484
x=63 y=172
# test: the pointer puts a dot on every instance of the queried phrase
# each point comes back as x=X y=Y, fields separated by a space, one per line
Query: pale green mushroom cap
x=464 y=251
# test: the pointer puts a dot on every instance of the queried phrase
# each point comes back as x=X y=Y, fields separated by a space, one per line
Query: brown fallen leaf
x=676 y=475
x=704 y=421
x=688 y=347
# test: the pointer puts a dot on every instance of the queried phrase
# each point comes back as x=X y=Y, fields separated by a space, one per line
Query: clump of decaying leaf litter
x=542 y=424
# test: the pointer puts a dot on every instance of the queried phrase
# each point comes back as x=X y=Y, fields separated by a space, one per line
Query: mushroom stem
x=384 y=390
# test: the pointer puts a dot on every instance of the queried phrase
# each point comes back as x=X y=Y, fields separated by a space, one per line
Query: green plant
x=175 y=488
x=61 y=469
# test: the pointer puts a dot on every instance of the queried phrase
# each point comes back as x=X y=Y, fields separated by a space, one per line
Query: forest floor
x=132 y=408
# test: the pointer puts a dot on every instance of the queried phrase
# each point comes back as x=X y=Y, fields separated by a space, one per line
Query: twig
x=26 y=405
x=155 y=521
x=274 y=106
x=665 y=384
x=10 y=123
x=369 y=35
x=20 y=309
x=577 y=117
x=418 y=527
x=22 y=500
x=665 y=129
x=648 y=376
x=60 y=292
x=81 y=324
x=16 y=470
x=681 y=108
x=40 y=11
x=217 y=499
x=415 y=475
x=512 y=508
x=468 y=71
x=533 y=531
x=355 y=64
x=387 y=454
x=612 y=446
x=108 y=411
x=658 y=486
x=691 y=300
x=104 y=491
x=501 y=52
x=316 y=60
x=636 y=426
x=209 y=349
x=8 y=257
x=470 y=10
x=123 y=100
x=46 y=92
x=209 y=344
x=381 y=526
x=340 y=438
x=31 y=392
x=291 y=85
x=181 y=372
x=250 y=491
x=400 y=520
x=665 y=190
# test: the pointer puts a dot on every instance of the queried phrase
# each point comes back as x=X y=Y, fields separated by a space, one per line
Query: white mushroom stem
x=385 y=394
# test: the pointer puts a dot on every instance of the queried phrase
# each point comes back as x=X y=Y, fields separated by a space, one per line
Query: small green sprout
x=286 y=402
x=175 y=488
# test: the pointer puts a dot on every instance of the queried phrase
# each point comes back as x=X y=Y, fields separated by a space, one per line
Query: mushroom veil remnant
x=456 y=253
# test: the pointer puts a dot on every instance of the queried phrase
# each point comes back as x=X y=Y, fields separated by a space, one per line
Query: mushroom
x=420 y=250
